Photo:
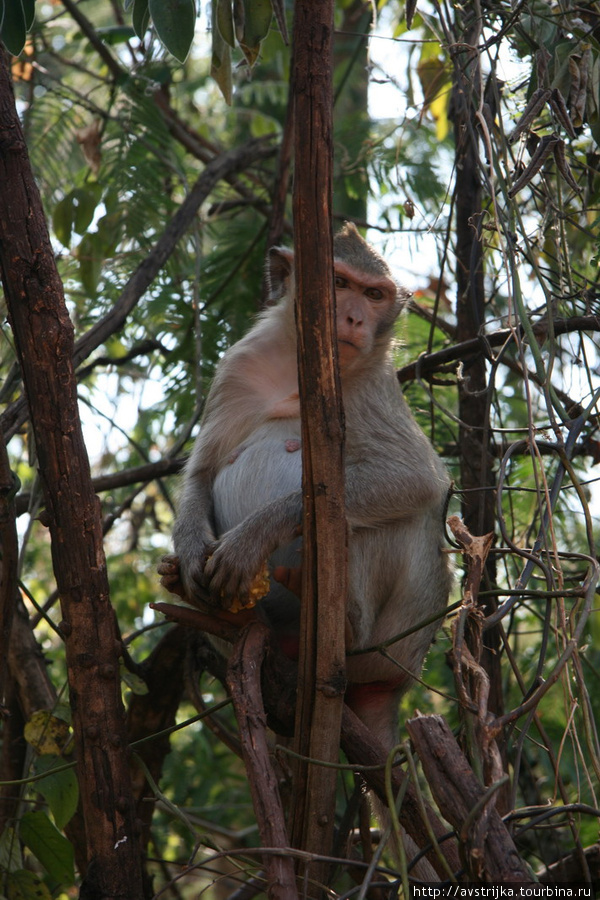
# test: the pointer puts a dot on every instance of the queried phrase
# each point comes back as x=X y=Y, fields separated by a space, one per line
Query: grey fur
x=241 y=499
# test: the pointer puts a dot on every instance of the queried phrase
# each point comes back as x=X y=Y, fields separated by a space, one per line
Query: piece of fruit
x=258 y=589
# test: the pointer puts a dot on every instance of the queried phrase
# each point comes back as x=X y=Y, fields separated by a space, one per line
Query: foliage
x=119 y=133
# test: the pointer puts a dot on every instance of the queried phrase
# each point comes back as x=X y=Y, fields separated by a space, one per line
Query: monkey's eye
x=374 y=293
x=340 y=282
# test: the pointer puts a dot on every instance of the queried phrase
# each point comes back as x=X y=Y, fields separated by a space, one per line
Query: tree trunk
x=44 y=341
x=322 y=651
x=476 y=460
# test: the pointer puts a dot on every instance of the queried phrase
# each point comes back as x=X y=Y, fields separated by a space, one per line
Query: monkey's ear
x=280 y=267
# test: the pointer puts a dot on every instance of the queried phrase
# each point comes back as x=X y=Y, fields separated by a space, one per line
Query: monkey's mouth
x=347 y=348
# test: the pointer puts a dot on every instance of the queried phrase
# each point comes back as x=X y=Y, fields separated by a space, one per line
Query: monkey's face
x=366 y=309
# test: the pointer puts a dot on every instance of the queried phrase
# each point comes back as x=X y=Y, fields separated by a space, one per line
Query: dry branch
x=152 y=713
x=244 y=683
x=9 y=550
x=467 y=350
x=489 y=852
x=360 y=748
x=279 y=678
x=43 y=336
x=321 y=681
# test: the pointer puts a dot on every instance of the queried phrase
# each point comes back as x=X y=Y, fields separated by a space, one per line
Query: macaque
x=241 y=502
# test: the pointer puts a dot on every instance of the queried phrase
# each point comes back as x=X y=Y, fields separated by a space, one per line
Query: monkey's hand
x=191 y=571
x=238 y=556
x=234 y=571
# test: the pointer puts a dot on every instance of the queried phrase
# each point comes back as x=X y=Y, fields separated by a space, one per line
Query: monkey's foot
x=292 y=444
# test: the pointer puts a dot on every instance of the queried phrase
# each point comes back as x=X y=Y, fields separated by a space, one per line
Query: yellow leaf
x=46 y=733
x=439 y=111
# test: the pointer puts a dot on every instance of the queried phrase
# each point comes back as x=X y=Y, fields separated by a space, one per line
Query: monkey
x=241 y=500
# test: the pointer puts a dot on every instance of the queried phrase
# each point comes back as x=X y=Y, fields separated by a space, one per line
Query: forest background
x=466 y=146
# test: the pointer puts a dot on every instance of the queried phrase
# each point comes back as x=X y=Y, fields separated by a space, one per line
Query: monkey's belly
x=261 y=470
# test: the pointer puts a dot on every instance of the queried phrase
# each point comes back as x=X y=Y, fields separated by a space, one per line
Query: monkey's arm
x=392 y=472
x=193 y=533
x=234 y=406
x=375 y=496
x=240 y=553
x=386 y=491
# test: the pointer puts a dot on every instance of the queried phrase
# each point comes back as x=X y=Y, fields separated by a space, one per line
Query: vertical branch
x=12 y=754
x=243 y=681
x=9 y=551
x=477 y=476
x=44 y=339
x=322 y=651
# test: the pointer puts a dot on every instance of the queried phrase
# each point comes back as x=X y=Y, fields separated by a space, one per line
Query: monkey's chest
x=262 y=469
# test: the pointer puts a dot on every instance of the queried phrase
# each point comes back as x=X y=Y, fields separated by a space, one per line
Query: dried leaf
x=224 y=19
x=257 y=21
x=47 y=733
x=536 y=102
x=563 y=166
x=279 y=11
x=89 y=140
x=542 y=152
x=220 y=67
x=579 y=67
x=239 y=18
x=559 y=107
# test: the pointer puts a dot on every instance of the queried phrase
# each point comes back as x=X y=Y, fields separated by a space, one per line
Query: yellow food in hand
x=258 y=589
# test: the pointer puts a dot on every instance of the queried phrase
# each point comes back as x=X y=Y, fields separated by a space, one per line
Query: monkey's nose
x=354 y=321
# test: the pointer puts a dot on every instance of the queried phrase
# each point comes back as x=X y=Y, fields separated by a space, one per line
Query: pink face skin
x=363 y=301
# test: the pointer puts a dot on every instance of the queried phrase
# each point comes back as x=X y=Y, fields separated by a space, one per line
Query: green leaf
x=49 y=846
x=29 y=10
x=140 y=17
x=220 y=67
x=116 y=34
x=13 y=29
x=62 y=220
x=257 y=21
x=224 y=18
x=23 y=885
x=174 y=21
x=91 y=256
x=85 y=201
x=11 y=857
x=60 y=790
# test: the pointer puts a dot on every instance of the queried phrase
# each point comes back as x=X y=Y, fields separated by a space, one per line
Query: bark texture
x=322 y=651
x=487 y=848
x=44 y=340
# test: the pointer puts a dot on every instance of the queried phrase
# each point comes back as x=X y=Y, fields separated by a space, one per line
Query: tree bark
x=476 y=460
x=9 y=551
x=488 y=849
x=322 y=651
x=44 y=341
x=279 y=678
x=244 y=683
